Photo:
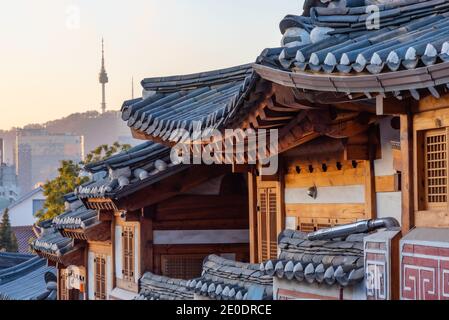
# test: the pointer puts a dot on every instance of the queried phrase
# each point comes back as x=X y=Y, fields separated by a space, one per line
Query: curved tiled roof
x=230 y=280
x=28 y=280
x=77 y=217
x=182 y=104
x=144 y=164
x=155 y=287
x=337 y=51
x=339 y=261
x=52 y=242
x=328 y=49
x=8 y=260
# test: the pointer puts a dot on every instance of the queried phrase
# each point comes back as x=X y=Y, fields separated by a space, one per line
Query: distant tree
x=69 y=178
x=8 y=241
x=54 y=190
x=104 y=151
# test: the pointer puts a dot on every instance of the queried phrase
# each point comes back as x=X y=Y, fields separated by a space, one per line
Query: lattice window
x=128 y=253
x=100 y=277
x=268 y=209
x=182 y=266
x=63 y=286
x=436 y=168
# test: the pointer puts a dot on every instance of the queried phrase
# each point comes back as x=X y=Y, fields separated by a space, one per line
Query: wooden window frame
x=100 y=276
x=267 y=232
x=427 y=216
x=185 y=274
x=128 y=252
x=64 y=293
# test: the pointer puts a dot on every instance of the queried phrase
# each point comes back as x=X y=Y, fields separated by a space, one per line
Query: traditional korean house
x=358 y=94
x=63 y=243
x=140 y=213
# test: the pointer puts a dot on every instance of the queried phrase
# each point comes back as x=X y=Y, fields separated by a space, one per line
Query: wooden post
x=408 y=210
x=146 y=240
x=252 y=201
x=370 y=176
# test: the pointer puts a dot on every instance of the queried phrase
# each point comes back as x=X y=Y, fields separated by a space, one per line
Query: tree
x=69 y=178
x=8 y=241
x=54 y=190
x=104 y=151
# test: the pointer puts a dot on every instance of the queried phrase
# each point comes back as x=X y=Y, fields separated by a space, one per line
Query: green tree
x=69 y=178
x=104 y=151
x=8 y=241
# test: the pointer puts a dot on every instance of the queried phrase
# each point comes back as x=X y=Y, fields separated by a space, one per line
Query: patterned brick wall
x=425 y=271
x=381 y=256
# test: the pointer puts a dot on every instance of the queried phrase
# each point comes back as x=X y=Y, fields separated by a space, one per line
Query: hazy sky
x=50 y=49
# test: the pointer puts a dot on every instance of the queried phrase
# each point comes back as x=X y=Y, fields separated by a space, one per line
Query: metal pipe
x=354 y=228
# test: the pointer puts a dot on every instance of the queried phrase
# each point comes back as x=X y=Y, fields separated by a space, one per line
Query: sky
x=50 y=50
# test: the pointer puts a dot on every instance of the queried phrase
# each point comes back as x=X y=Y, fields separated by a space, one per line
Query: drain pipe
x=354 y=228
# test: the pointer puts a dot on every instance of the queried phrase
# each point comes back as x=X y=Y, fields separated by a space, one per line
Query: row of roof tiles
x=144 y=164
x=194 y=102
x=335 y=261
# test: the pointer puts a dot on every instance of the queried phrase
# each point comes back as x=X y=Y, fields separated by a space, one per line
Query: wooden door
x=268 y=208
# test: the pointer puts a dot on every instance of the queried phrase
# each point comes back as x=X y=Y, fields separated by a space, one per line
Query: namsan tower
x=103 y=79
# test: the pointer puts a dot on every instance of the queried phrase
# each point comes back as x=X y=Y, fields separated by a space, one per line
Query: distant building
x=39 y=153
x=8 y=182
x=23 y=211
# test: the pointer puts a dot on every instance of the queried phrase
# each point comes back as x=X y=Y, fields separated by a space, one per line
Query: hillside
x=96 y=128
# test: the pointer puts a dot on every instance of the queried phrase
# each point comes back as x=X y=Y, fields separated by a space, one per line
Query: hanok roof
x=335 y=49
x=141 y=166
x=51 y=242
x=154 y=287
x=177 y=106
x=8 y=260
x=77 y=217
x=23 y=236
x=28 y=280
x=229 y=280
x=339 y=261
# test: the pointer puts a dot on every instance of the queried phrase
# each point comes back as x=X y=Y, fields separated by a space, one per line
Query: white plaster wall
x=21 y=214
x=118 y=252
x=389 y=205
x=91 y=277
x=290 y=223
x=327 y=195
x=201 y=236
x=384 y=166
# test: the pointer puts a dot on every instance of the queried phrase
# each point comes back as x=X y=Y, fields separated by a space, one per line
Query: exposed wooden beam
x=253 y=227
x=390 y=106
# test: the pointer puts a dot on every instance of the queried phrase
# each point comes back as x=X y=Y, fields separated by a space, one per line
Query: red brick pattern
x=424 y=272
x=376 y=266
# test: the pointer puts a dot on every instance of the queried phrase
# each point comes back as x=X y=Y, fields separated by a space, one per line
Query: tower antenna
x=103 y=77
